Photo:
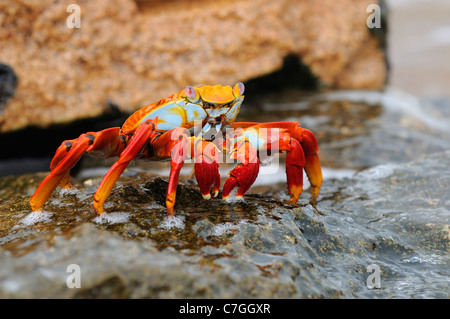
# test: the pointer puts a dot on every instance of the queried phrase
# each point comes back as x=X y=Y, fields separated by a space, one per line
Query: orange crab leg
x=61 y=152
x=173 y=144
x=137 y=142
x=67 y=155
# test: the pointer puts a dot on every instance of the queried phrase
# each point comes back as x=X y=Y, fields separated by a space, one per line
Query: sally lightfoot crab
x=191 y=124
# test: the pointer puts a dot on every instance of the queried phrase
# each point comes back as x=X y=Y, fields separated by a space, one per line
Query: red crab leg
x=104 y=143
x=312 y=163
x=137 y=142
x=295 y=157
x=309 y=145
x=295 y=161
x=207 y=167
x=173 y=144
x=244 y=174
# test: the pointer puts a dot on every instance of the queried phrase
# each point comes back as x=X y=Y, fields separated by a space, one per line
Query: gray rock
x=394 y=216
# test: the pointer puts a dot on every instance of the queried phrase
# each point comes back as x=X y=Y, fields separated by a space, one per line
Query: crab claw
x=244 y=174
x=207 y=170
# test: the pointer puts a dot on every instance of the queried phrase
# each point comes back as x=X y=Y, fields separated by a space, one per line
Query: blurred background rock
x=129 y=53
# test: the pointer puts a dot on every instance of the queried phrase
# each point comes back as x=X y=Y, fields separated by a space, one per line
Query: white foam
x=154 y=206
x=68 y=191
x=112 y=218
x=172 y=222
x=35 y=217
x=430 y=259
x=222 y=229
x=232 y=198
x=378 y=172
x=60 y=203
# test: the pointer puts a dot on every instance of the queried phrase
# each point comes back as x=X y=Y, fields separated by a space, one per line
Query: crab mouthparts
x=210 y=126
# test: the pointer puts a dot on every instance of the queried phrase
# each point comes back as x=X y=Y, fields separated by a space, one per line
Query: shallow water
x=419 y=46
x=404 y=210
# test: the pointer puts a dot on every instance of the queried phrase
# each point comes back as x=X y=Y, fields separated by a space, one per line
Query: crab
x=191 y=124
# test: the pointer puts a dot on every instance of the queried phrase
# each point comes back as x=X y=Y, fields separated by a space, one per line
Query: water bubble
x=223 y=229
x=68 y=191
x=112 y=218
x=415 y=259
x=35 y=217
x=172 y=222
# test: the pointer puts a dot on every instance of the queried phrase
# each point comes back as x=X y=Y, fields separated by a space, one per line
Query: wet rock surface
x=394 y=216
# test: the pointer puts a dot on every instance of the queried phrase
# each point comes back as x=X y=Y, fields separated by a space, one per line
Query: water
x=419 y=46
x=112 y=218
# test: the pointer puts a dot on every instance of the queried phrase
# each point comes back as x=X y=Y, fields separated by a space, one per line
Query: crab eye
x=239 y=89
x=190 y=92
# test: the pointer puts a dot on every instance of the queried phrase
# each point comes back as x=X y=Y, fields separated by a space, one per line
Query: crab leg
x=207 y=167
x=279 y=139
x=244 y=174
x=137 y=142
x=295 y=161
x=61 y=152
x=104 y=143
x=312 y=163
x=301 y=153
x=173 y=144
